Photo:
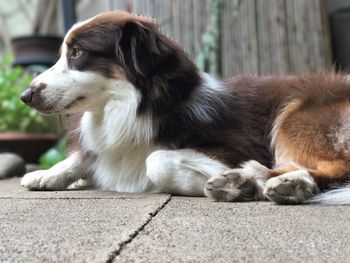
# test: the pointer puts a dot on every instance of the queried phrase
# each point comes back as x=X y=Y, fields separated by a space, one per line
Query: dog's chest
x=123 y=171
x=120 y=165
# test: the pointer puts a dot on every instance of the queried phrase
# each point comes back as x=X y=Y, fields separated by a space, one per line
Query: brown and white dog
x=152 y=122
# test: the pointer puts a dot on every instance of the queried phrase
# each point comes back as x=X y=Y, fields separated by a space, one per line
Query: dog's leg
x=191 y=173
x=241 y=184
x=312 y=141
x=182 y=172
x=58 y=177
x=297 y=185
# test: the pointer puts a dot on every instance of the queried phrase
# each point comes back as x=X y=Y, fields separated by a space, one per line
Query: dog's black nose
x=27 y=95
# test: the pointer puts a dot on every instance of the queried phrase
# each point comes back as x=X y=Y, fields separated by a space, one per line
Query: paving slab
x=11 y=188
x=69 y=226
x=199 y=230
x=95 y=226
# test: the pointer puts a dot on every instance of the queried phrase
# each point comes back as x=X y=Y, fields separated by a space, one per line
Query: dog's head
x=113 y=47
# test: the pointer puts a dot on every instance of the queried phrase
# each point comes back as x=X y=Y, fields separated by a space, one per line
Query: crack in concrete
x=133 y=235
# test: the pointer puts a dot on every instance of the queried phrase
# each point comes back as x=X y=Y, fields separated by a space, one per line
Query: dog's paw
x=43 y=180
x=291 y=188
x=232 y=186
x=241 y=184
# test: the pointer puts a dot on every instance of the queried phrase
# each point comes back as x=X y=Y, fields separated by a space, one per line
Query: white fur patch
x=118 y=123
x=123 y=170
x=340 y=196
x=182 y=172
x=255 y=170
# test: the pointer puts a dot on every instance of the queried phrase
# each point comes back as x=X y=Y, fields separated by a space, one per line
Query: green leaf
x=54 y=155
x=14 y=114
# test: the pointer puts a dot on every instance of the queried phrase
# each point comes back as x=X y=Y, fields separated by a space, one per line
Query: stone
x=32 y=167
x=11 y=165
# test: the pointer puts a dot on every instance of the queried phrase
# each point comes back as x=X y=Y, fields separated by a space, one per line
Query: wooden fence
x=257 y=36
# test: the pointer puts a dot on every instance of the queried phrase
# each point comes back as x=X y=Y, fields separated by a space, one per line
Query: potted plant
x=22 y=129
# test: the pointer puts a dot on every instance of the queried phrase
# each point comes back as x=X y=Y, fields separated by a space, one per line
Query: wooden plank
x=261 y=37
x=249 y=42
x=326 y=35
x=307 y=37
x=272 y=37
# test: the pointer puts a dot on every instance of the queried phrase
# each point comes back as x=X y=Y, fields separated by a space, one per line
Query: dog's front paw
x=232 y=186
x=291 y=188
x=43 y=180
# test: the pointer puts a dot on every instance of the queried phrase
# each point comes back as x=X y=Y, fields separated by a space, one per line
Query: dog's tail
x=339 y=196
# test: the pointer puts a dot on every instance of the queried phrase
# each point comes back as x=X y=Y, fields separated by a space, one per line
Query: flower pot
x=29 y=146
x=36 y=50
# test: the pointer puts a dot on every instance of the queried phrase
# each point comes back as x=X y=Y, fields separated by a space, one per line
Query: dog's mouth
x=74 y=102
x=51 y=109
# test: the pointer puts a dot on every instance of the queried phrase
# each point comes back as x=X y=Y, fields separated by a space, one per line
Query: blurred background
x=224 y=38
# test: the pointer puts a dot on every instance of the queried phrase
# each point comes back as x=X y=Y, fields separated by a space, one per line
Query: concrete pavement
x=95 y=226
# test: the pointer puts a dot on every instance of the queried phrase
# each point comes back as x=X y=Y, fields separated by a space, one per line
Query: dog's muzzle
x=32 y=97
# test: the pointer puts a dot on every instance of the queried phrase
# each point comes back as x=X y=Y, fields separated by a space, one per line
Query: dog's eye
x=75 y=52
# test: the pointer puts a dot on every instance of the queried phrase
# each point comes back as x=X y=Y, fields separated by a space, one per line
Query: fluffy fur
x=152 y=122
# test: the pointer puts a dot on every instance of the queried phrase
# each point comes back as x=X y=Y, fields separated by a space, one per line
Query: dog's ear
x=143 y=48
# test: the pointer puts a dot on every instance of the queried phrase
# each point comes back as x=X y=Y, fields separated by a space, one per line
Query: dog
x=152 y=122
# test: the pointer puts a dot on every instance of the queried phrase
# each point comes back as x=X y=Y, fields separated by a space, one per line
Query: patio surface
x=95 y=226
